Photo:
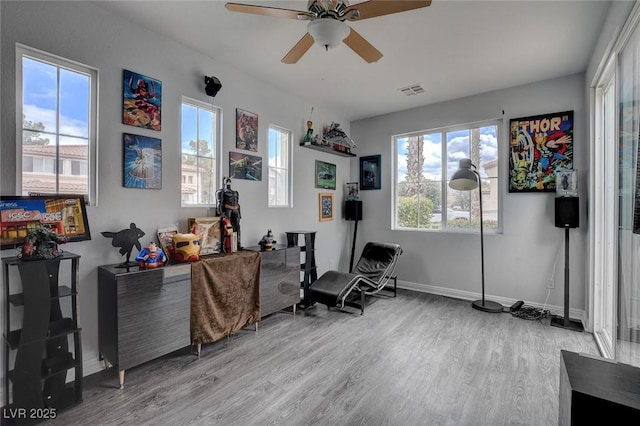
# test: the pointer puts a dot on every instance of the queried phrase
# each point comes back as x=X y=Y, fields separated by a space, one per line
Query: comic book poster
x=142 y=101
x=539 y=147
x=243 y=166
x=142 y=162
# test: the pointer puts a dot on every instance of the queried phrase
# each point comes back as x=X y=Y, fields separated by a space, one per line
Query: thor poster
x=539 y=146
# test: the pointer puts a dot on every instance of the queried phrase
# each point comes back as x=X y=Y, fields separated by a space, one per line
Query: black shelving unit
x=37 y=380
x=308 y=266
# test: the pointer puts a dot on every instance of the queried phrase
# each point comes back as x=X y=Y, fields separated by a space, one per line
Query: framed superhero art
x=539 y=147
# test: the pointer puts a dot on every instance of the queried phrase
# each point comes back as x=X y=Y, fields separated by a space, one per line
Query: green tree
x=33 y=133
x=414 y=212
x=417 y=195
x=204 y=163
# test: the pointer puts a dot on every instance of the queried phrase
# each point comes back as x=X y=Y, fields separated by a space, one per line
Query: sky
x=457 y=149
x=197 y=123
x=42 y=94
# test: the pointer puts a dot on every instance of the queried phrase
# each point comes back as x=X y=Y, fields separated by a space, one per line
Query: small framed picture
x=326 y=206
x=142 y=101
x=142 y=162
x=209 y=233
x=351 y=191
x=566 y=183
x=370 y=172
x=246 y=130
x=325 y=175
x=243 y=166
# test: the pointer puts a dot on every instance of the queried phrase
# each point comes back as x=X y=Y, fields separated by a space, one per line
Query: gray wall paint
x=518 y=261
x=85 y=33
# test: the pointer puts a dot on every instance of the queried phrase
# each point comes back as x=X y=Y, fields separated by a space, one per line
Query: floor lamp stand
x=483 y=304
x=353 y=246
x=566 y=322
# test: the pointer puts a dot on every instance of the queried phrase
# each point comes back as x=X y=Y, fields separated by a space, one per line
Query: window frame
x=217 y=149
x=22 y=51
x=444 y=187
x=289 y=163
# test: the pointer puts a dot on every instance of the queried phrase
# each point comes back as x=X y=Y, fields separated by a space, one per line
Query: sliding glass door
x=628 y=239
x=603 y=229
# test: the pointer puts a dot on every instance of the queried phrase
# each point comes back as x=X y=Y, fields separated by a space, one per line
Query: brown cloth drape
x=225 y=294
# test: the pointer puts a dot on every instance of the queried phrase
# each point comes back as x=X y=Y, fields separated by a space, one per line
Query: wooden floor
x=418 y=359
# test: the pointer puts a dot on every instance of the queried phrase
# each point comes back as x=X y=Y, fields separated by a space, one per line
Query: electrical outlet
x=551 y=283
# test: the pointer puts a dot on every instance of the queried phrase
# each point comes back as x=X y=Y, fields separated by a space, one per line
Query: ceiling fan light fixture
x=328 y=32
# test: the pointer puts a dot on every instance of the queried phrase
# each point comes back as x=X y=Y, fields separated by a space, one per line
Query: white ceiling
x=452 y=48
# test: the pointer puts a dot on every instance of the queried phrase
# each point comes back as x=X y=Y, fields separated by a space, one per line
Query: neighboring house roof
x=43 y=185
x=65 y=151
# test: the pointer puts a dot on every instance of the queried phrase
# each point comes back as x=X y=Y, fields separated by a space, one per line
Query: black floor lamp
x=468 y=179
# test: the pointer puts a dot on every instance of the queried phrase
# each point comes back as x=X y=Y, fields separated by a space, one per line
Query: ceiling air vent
x=414 y=89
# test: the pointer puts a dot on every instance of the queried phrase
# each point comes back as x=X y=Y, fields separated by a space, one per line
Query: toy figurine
x=228 y=236
x=267 y=242
x=151 y=257
x=41 y=243
x=229 y=206
x=309 y=135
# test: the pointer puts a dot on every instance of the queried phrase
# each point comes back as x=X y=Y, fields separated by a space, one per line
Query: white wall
x=518 y=261
x=85 y=33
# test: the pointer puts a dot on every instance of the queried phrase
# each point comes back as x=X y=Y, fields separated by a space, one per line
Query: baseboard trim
x=470 y=296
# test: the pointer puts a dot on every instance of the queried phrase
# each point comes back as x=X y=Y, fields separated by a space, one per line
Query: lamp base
x=487 y=306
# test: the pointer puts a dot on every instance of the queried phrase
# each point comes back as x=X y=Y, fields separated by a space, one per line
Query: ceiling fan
x=327 y=27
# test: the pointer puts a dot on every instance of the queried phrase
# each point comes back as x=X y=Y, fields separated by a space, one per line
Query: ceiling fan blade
x=298 y=50
x=362 y=47
x=267 y=11
x=373 y=8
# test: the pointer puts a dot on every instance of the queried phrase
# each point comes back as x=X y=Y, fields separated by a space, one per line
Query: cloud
x=457 y=149
x=68 y=125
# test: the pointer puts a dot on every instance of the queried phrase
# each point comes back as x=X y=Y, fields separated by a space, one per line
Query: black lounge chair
x=375 y=268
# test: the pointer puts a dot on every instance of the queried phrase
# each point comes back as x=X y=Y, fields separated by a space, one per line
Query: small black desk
x=598 y=391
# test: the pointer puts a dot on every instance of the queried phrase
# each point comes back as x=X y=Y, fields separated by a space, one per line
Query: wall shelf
x=330 y=150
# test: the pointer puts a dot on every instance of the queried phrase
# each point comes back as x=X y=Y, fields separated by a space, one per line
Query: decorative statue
x=267 y=242
x=41 y=243
x=126 y=239
x=309 y=135
x=229 y=207
x=151 y=257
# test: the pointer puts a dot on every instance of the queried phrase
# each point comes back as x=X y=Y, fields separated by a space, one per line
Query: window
x=58 y=131
x=200 y=152
x=279 y=166
x=425 y=161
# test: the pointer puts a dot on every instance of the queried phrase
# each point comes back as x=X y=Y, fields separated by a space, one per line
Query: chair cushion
x=329 y=288
x=375 y=259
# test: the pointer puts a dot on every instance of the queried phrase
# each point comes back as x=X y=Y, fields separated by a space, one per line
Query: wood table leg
x=294 y=309
x=121 y=378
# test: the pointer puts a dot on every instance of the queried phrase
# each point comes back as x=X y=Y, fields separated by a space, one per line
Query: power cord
x=520 y=310
x=531 y=313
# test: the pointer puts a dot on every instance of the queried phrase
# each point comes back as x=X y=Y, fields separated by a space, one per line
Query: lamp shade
x=328 y=32
x=464 y=179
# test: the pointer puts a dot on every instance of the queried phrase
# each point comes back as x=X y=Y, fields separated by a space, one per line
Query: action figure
x=229 y=207
x=151 y=257
x=309 y=135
